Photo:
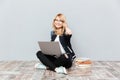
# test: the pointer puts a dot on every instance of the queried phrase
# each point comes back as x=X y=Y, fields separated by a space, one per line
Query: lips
x=58 y=25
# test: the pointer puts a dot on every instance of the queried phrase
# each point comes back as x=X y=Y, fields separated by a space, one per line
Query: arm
x=67 y=29
x=52 y=35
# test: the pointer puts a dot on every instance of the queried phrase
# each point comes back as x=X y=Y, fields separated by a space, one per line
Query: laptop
x=50 y=48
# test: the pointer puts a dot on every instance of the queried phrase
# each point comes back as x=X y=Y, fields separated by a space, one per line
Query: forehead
x=57 y=17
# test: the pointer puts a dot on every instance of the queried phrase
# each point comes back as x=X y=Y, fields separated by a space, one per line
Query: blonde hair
x=63 y=19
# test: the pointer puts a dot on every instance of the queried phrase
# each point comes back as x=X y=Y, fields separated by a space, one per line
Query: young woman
x=62 y=34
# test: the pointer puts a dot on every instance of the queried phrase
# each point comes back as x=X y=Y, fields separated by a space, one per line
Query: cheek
x=57 y=24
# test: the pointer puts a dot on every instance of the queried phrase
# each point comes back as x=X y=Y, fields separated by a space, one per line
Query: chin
x=58 y=27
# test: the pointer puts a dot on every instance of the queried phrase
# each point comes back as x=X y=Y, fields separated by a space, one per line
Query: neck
x=59 y=31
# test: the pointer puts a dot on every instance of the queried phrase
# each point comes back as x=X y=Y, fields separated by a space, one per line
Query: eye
x=59 y=20
x=62 y=21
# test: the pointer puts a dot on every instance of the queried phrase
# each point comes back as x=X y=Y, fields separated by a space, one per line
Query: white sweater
x=57 y=39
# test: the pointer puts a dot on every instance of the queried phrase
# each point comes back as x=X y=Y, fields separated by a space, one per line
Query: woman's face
x=58 y=22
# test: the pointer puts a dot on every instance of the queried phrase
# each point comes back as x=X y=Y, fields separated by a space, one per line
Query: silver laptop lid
x=50 y=48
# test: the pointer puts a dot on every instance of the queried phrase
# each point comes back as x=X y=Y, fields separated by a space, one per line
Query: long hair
x=63 y=19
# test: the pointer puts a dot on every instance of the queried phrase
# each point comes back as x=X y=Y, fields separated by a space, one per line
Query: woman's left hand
x=68 y=31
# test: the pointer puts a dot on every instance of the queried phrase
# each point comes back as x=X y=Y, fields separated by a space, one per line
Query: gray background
x=95 y=25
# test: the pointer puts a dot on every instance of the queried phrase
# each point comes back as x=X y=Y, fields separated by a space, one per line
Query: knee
x=38 y=53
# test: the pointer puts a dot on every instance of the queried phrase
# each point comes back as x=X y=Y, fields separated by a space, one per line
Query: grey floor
x=24 y=70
